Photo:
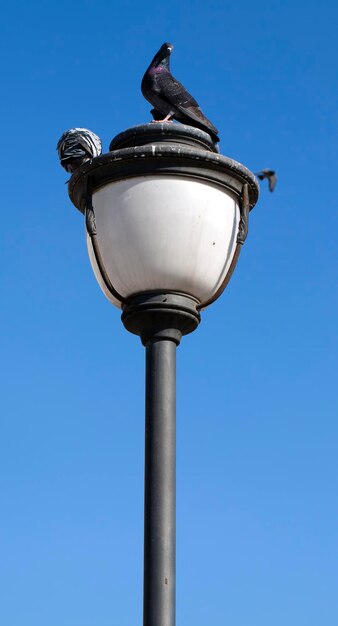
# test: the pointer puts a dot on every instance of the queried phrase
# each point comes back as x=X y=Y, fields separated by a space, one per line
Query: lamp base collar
x=161 y=315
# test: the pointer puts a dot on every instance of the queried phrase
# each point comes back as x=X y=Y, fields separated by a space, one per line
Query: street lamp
x=166 y=216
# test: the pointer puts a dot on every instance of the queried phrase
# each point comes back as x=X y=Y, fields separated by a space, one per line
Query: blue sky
x=257 y=382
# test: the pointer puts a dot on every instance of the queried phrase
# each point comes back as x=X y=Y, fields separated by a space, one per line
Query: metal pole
x=160 y=485
x=160 y=319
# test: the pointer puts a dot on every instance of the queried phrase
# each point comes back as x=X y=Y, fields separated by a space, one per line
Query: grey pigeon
x=168 y=96
x=270 y=175
x=76 y=146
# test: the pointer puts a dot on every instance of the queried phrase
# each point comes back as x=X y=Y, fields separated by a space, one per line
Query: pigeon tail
x=76 y=146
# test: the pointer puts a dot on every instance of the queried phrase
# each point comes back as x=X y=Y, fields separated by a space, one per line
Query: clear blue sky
x=257 y=382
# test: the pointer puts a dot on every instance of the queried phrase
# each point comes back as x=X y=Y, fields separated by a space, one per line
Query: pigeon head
x=162 y=56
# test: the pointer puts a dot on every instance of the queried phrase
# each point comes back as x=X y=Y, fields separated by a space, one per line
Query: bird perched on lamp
x=169 y=98
x=76 y=146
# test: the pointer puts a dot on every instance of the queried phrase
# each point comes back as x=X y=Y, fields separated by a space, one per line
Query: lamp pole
x=160 y=320
x=166 y=216
x=160 y=485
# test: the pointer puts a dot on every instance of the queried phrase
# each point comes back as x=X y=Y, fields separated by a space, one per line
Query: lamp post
x=166 y=216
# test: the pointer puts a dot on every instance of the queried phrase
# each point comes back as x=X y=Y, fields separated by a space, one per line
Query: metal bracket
x=243 y=226
x=92 y=232
x=90 y=217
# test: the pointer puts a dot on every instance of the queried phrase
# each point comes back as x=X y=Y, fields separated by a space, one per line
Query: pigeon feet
x=160 y=121
x=166 y=119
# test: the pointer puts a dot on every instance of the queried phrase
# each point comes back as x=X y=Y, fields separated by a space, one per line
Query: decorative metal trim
x=243 y=226
x=90 y=218
x=92 y=232
x=224 y=284
x=163 y=132
x=163 y=159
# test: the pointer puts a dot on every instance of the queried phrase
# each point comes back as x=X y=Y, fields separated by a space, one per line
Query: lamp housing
x=165 y=213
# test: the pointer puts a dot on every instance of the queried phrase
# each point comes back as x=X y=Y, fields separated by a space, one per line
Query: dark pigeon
x=168 y=96
x=270 y=175
x=76 y=146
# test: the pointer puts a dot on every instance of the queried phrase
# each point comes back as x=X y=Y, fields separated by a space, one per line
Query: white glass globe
x=164 y=232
